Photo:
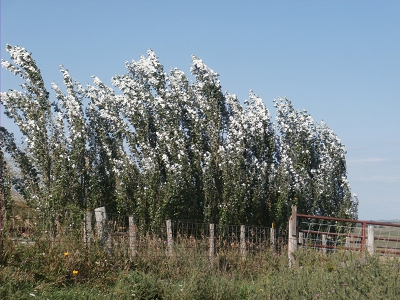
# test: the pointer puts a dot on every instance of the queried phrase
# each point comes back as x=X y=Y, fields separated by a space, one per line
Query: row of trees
x=162 y=146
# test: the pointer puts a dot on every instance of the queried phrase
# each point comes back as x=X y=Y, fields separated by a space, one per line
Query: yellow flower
x=66 y=254
x=75 y=272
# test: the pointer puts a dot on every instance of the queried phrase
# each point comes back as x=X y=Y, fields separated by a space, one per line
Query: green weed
x=45 y=270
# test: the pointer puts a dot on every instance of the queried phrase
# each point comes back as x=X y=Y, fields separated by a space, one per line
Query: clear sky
x=339 y=60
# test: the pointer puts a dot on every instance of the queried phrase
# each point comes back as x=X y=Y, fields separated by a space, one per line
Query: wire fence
x=328 y=237
x=387 y=239
x=332 y=234
x=127 y=236
x=28 y=229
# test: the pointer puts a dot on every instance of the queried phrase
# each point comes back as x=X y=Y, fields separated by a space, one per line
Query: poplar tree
x=162 y=146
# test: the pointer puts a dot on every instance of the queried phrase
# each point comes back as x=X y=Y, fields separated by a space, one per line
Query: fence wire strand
x=328 y=237
x=149 y=239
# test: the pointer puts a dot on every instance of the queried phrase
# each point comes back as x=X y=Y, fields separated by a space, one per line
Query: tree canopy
x=158 y=145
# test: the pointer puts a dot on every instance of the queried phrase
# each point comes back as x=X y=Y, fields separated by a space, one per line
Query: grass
x=45 y=270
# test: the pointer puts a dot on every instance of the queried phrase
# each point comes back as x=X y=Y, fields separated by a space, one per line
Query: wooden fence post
x=169 y=238
x=212 y=244
x=272 y=238
x=242 y=240
x=87 y=234
x=348 y=242
x=301 y=238
x=132 y=238
x=100 y=216
x=371 y=239
x=324 y=243
x=102 y=227
x=292 y=243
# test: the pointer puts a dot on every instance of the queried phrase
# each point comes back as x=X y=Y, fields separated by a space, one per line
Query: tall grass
x=45 y=270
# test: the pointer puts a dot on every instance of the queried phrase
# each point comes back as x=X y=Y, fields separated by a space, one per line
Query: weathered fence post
x=102 y=227
x=292 y=243
x=101 y=222
x=371 y=239
x=132 y=237
x=272 y=238
x=242 y=240
x=212 y=244
x=169 y=238
x=348 y=242
x=87 y=234
x=301 y=238
x=324 y=243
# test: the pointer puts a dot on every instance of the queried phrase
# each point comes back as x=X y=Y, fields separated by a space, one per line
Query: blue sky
x=339 y=60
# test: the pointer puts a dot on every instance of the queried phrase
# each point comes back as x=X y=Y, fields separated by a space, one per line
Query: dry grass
x=45 y=268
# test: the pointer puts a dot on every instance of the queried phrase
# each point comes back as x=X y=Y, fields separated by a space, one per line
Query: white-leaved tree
x=161 y=146
x=311 y=168
x=31 y=110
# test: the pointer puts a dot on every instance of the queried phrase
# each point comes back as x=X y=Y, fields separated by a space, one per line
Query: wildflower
x=66 y=254
x=75 y=272
x=345 y=284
